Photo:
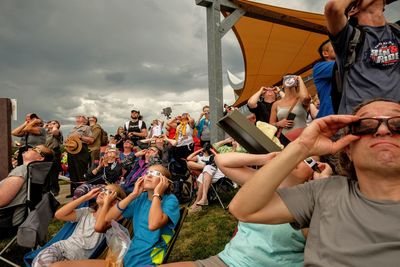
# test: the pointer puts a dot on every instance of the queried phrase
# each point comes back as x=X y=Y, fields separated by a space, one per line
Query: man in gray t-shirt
x=353 y=221
x=375 y=72
x=13 y=188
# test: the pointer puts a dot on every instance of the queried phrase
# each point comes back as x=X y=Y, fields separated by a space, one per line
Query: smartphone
x=291 y=116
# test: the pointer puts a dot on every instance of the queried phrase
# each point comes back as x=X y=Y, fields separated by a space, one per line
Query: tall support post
x=214 y=70
x=216 y=29
x=5 y=137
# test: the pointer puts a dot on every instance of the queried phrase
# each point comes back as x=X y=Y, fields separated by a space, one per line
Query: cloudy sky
x=63 y=58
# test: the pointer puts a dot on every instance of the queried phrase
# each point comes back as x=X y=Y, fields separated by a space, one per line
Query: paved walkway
x=64 y=191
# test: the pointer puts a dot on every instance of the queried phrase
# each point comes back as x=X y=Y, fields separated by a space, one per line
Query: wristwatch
x=157 y=195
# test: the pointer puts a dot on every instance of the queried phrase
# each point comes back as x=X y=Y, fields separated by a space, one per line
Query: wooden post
x=5 y=137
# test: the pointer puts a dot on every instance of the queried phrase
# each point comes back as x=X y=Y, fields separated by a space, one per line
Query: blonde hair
x=118 y=189
x=164 y=171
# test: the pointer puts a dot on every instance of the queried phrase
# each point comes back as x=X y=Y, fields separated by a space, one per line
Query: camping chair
x=183 y=187
x=36 y=178
x=223 y=185
x=66 y=231
x=183 y=212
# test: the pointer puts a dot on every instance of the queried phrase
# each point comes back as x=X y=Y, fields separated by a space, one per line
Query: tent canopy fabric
x=276 y=41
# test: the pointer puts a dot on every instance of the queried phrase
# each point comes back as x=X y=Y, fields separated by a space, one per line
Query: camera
x=312 y=164
x=290 y=81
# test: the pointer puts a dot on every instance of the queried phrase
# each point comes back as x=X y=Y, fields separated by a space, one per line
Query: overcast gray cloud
x=62 y=58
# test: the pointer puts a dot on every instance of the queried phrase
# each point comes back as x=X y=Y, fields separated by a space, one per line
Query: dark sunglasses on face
x=368 y=126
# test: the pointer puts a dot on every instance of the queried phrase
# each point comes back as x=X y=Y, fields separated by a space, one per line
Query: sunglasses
x=107 y=192
x=39 y=151
x=312 y=164
x=154 y=173
x=368 y=126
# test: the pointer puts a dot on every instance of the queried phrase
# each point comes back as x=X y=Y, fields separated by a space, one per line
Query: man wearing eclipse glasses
x=353 y=220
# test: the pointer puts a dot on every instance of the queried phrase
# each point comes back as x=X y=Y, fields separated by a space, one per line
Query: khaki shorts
x=213 y=261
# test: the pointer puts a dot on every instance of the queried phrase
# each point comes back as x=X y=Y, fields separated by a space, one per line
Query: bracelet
x=118 y=207
x=157 y=195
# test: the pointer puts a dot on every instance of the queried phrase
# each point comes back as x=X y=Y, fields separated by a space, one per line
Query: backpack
x=356 y=41
x=34 y=229
x=103 y=137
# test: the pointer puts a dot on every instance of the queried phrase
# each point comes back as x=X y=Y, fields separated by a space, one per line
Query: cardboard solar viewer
x=247 y=134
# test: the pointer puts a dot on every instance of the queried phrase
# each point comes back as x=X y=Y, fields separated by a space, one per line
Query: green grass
x=202 y=235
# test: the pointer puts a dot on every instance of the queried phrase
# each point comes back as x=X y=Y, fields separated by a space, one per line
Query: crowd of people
x=330 y=198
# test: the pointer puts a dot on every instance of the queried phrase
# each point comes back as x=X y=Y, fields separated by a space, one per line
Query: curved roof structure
x=276 y=41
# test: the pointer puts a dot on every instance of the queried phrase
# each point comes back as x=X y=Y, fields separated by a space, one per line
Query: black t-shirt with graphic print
x=375 y=73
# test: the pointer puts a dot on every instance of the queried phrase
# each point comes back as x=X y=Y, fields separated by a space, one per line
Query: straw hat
x=73 y=144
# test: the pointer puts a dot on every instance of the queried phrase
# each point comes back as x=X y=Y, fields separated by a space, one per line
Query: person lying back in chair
x=13 y=189
x=88 y=232
x=258 y=244
x=155 y=214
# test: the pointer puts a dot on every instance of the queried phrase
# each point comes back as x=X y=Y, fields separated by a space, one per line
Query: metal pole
x=214 y=70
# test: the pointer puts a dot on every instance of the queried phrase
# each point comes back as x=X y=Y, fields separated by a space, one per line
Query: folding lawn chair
x=66 y=231
x=36 y=178
x=223 y=185
x=183 y=212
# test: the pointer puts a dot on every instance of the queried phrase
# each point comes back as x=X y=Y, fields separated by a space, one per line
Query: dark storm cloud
x=63 y=58
x=115 y=77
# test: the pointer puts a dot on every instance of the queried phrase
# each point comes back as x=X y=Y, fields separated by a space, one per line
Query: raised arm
x=335 y=15
x=252 y=102
x=101 y=223
x=304 y=95
x=157 y=218
x=193 y=156
x=257 y=201
x=33 y=127
x=223 y=142
x=237 y=166
x=115 y=212
x=67 y=212
x=19 y=131
x=173 y=142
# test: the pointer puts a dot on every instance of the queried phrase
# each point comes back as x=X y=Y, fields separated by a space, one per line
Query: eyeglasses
x=107 y=192
x=312 y=164
x=154 y=173
x=39 y=151
x=368 y=126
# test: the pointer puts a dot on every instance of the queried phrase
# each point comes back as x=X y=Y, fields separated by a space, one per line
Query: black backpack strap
x=355 y=43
